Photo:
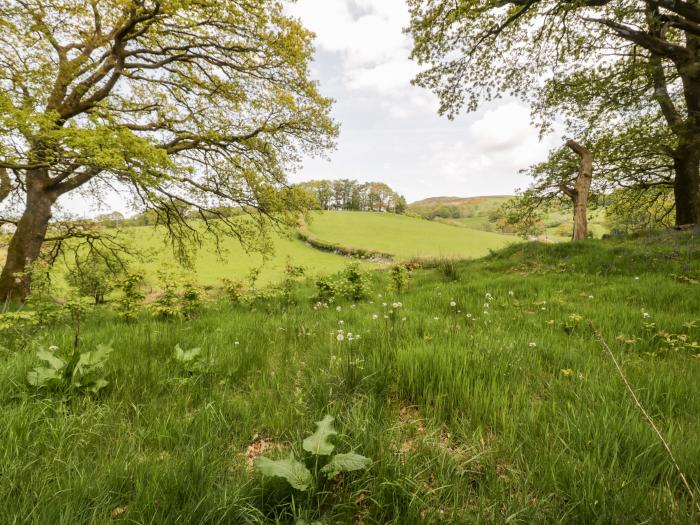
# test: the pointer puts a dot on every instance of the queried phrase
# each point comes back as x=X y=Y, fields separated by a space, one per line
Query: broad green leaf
x=43 y=376
x=97 y=385
x=318 y=442
x=345 y=463
x=185 y=356
x=295 y=472
x=51 y=358
x=95 y=358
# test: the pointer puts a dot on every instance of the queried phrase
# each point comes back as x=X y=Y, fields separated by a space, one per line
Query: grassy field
x=482 y=398
x=404 y=237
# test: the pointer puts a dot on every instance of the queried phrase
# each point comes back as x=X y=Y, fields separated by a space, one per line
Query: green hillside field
x=479 y=395
x=404 y=237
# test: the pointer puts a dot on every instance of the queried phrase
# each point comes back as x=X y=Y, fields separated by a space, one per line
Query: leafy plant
x=400 y=278
x=191 y=299
x=82 y=371
x=167 y=306
x=326 y=289
x=94 y=276
x=298 y=475
x=291 y=274
x=190 y=360
x=234 y=290
x=357 y=285
x=131 y=295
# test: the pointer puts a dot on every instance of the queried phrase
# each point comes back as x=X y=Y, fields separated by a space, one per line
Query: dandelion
x=511 y=293
x=375 y=316
x=486 y=306
x=646 y=315
x=341 y=322
x=353 y=306
x=338 y=308
x=53 y=348
x=340 y=337
x=436 y=318
x=350 y=336
x=469 y=316
x=236 y=343
x=403 y=318
x=396 y=306
x=384 y=305
x=533 y=345
x=636 y=278
x=386 y=317
x=590 y=297
x=453 y=304
x=488 y=296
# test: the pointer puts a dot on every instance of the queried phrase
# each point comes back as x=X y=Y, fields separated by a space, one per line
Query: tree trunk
x=25 y=245
x=686 y=188
x=579 y=193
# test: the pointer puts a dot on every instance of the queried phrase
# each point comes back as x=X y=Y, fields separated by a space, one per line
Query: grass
x=515 y=416
x=404 y=237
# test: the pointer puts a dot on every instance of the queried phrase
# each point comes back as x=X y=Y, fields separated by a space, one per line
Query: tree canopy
x=182 y=103
x=615 y=71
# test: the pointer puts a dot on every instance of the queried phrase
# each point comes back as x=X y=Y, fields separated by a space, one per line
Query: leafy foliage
x=130 y=297
x=81 y=371
x=293 y=471
x=318 y=443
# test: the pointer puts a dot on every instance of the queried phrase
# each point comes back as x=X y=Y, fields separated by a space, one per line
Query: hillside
x=404 y=237
x=479 y=394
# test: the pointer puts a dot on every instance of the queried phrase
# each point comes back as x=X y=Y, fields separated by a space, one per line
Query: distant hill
x=457 y=207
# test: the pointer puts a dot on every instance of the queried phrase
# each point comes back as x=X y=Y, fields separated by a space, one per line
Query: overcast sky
x=390 y=130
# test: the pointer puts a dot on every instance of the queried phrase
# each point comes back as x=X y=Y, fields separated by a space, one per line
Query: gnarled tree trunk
x=579 y=193
x=26 y=242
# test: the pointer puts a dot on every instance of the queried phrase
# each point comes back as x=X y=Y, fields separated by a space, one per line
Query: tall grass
x=514 y=415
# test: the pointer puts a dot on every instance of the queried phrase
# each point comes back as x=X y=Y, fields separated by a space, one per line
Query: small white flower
x=646 y=315
x=486 y=306
x=338 y=308
x=469 y=316
x=543 y=308
x=384 y=305
x=350 y=336
x=403 y=318
x=341 y=322
x=379 y=295
x=532 y=345
x=590 y=297
x=488 y=296
x=486 y=312
x=352 y=306
x=386 y=317
x=375 y=316
x=236 y=343
x=436 y=318
x=396 y=306
x=53 y=348
x=636 y=278
x=511 y=293
x=453 y=304
x=340 y=337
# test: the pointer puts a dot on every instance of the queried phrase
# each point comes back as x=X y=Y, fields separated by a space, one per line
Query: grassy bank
x=481 y=398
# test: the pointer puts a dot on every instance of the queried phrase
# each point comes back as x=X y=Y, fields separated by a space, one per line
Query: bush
x=357 y=286
x=130 y=297
x=94 y=277
x=400 y=278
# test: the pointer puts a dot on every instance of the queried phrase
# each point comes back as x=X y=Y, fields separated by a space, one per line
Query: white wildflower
x=340 y=337
x=338 y=308
x=532 y=345
x=453 y=304
x=375 y=316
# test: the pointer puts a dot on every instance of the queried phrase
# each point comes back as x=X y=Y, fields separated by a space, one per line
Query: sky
x=391 y=131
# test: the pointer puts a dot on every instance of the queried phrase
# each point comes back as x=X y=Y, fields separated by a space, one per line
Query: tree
x=189 y=104
x=578 y=193
x=629 y=60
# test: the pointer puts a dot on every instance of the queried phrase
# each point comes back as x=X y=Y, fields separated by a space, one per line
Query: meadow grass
x=481 y=398
x=402 y=236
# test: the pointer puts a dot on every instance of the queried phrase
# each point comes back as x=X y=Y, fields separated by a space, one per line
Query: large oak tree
x=632 y=65
x=189 y=105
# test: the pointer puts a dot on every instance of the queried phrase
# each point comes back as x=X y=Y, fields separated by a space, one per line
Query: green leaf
x=96 y=358
x=318 y=442
x=186 y=356
x=44 y=376
x=345 y=463
x=52 y=359
x=296 y=474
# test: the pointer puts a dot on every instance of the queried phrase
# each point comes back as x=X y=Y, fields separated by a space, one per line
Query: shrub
x=326 y=289
x=400 y=278
x=357 y=285
x=131 y=296
x=94 y=276
x=234 y=290
x=191 y=299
